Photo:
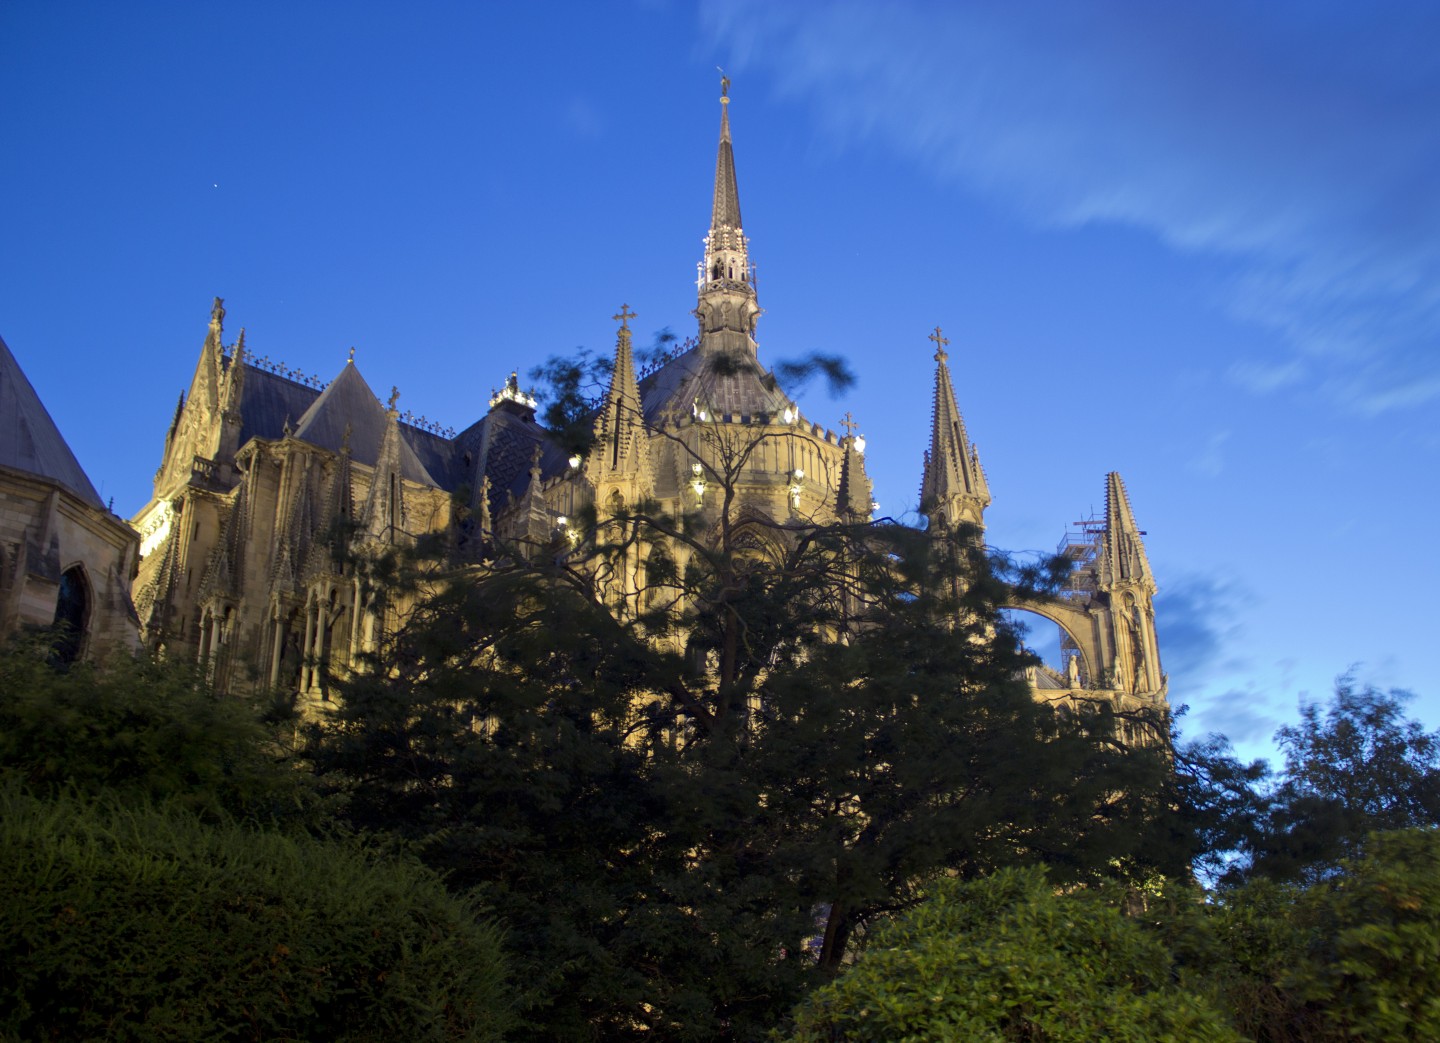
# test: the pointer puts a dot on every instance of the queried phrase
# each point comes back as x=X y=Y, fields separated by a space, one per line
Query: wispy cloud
x=1197 y=620
x=1296 y=143
x=1210 y=461
x=583 y=119
x=1239 y=714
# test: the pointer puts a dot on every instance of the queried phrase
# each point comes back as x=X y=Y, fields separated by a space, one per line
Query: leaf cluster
x=143 y=922
x=1008 y=957
x=151 y=730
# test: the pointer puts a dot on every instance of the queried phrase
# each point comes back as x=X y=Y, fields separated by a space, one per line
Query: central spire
x=727 y=310
x=726 y=211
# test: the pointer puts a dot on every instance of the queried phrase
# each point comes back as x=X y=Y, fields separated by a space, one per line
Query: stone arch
x=1076 y=625
x=74 y=608
x=755 y=537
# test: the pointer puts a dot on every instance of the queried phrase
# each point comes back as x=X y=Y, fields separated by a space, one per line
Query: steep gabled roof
x=347 y=403
x=268 y=401
x=732 y=383
x=29 y=439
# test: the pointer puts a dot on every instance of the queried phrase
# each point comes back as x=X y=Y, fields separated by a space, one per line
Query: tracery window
x=72 y=614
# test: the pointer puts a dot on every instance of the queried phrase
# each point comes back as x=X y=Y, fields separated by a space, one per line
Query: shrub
x=147 y=923
x=1006 y=958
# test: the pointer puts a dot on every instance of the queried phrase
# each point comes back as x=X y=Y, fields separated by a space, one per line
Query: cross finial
x=849 y=424
x=625 y=316
x=351 y=359
x=394 y=396
x=940 y=342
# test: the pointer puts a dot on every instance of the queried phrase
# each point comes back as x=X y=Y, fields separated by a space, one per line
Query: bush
x=147 y=923
x=1006 y=958
x=1374 y=966
x=146 y=729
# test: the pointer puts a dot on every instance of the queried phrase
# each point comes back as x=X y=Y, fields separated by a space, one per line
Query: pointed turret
x=232 y=388
x=1122 y=558
x=727 y=310
x=619 y=449
x=854 y=498
x=384 y=506
x=196 y=429
x=205 y=384
x=953 y=489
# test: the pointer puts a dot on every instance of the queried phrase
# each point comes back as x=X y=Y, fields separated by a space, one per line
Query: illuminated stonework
x=156 y=528
x=511 y=393
x=260 y=471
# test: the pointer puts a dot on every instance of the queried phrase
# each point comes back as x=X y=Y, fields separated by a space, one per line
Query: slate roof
x=727 y=384
x=29 y=439
x=436 y=453
x=348 y=401
x=267 y=400
x=508 y=443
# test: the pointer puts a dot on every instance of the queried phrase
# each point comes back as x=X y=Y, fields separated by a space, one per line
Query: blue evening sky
x=1195 y=243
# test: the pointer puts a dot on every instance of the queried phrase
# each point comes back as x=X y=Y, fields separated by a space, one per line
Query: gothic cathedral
x=262 y=467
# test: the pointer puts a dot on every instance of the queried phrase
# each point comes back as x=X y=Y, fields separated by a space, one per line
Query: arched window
x=72 y=614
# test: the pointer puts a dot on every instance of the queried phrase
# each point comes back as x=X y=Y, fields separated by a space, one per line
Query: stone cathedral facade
x=260 y=465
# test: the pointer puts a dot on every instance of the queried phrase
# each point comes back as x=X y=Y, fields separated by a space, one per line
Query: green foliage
x=1007 y=958
x=522 y=789
x=1352 y=767
x=146 y=923
x=1219 y=802
x=1355 y=956
x=1256 y=943
x=1374 y=964
x=146 y=729
x=683 y=838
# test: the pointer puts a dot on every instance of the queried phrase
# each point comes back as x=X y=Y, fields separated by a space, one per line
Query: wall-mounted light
x=575 y=462
x=789 y=415
x=860 y=444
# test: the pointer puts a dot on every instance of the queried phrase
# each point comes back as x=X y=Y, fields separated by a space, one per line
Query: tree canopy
x=694 y=756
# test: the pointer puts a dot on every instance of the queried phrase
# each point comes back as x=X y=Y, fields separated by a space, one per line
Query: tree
x=1353 y=767
x=690 y=756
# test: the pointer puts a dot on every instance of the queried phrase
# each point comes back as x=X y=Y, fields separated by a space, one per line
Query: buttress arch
x=1078 y=627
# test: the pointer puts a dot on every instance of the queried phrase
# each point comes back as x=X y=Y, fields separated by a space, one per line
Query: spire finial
x=724 y=87
x=624 y=317
x=394 y=397
x=849 y=423
x=351 y=360
x=217 y=313
x=940 y=341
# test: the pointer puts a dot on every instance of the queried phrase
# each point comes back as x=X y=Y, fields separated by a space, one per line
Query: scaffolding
x=1080 y=546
